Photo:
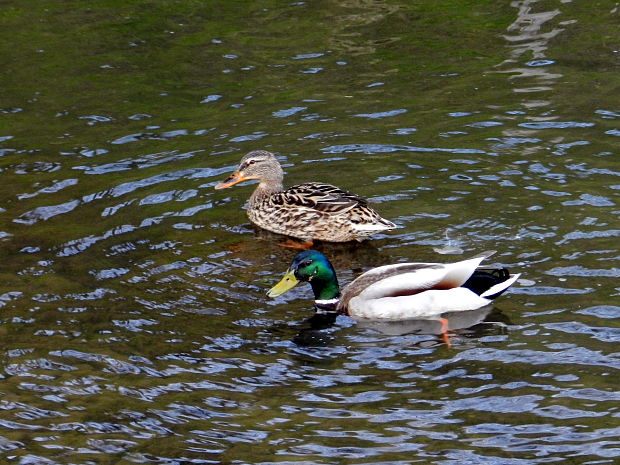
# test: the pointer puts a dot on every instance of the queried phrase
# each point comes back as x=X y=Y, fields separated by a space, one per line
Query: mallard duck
x=309 y=211
x=401 y=291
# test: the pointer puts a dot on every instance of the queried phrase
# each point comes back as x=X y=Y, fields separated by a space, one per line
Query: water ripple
x=600 y=333
x=146 y=161
x=556 y=125
x=576 y=356
x=385 y=148
x=382 y=114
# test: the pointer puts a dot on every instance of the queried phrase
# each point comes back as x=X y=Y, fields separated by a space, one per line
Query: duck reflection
x=457 y=320
x=316 y=328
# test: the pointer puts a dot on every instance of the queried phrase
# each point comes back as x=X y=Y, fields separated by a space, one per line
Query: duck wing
x=410 y=278
x=319 y=196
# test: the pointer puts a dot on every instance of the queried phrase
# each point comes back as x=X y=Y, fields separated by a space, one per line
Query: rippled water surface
x=134 y=321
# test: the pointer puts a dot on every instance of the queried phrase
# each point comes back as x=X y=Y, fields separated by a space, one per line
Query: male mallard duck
x=309 y=211
x=399 y=292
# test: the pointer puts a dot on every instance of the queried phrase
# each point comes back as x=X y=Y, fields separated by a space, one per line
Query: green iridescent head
x=313 y=267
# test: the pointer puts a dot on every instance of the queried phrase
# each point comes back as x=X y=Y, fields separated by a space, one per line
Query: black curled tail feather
x=484 y=279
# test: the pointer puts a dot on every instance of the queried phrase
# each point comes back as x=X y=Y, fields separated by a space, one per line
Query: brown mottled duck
x=309 y=211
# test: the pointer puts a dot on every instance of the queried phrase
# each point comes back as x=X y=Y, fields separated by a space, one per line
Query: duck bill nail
x=231 y=180
x=288 y=282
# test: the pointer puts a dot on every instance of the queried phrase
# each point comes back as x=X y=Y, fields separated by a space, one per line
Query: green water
x=134 y=321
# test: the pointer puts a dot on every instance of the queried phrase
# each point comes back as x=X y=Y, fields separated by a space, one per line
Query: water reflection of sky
x=528 y=39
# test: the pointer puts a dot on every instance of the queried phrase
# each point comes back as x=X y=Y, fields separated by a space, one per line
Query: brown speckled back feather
x=316 y=211
x=318 y=196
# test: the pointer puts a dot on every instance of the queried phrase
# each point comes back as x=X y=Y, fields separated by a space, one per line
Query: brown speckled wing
x=318 y=196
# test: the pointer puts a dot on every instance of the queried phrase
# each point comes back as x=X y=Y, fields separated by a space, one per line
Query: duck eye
x=306 y=263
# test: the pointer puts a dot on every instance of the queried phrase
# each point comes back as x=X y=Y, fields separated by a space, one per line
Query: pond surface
x=134 y=321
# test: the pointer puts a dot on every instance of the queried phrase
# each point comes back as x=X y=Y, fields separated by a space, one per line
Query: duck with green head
x=400 y=291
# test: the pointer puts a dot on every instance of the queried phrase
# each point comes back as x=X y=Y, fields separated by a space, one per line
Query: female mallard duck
x=401 y=291
x=309 y=211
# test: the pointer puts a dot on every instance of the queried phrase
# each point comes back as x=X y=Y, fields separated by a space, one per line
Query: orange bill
x=231 y=180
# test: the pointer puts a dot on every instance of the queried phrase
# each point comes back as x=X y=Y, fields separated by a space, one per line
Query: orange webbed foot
x=291 y=244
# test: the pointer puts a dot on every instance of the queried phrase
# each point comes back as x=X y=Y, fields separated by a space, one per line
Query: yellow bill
x=288 y=282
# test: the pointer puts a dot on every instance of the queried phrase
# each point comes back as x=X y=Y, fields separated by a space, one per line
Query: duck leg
x=444 y=332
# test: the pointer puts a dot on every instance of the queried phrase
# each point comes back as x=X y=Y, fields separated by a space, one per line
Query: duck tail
x=485 y=254
x=380 y=224
x=498 y=289
x=387 y=223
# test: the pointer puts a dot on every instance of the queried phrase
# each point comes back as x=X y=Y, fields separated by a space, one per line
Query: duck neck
x=326 y=292
x=265 y=189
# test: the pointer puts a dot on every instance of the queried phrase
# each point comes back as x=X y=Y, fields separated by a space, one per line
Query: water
x=135 y=326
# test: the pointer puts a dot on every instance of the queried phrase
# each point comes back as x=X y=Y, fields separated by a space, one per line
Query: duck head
x=313 y=267
x=258 y=164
